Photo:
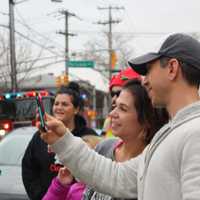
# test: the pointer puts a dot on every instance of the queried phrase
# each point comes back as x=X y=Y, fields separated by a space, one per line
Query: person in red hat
x=115 y=86
x=118 y=80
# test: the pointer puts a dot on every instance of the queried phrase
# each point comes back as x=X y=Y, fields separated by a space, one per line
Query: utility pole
x=12 y=46
x=110 y=22
x=67 y=14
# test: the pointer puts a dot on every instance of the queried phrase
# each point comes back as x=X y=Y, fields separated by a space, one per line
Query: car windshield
x=12 y=148
x=23 y=109
x=7 y=109
x=26 y=108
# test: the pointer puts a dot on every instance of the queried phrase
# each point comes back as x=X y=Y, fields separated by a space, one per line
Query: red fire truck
x=19 y=109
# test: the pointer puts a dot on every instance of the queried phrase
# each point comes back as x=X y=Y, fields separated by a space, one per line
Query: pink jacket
x=57 y=191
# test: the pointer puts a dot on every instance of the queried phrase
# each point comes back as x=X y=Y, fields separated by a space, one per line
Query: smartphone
x=41 y=112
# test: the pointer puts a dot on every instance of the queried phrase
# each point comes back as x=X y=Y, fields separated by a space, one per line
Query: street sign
x=81 y=63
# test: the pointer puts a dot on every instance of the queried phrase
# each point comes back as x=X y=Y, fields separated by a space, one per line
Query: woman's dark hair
x=72 y=89
x=152 y=119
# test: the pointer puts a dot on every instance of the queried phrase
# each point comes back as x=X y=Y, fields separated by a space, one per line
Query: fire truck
x=19 y=109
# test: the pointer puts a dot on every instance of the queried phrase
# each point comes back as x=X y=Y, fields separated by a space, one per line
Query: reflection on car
x=98 y=131
x=12 y=148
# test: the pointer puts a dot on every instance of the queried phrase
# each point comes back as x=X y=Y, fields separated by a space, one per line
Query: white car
x=12 y=148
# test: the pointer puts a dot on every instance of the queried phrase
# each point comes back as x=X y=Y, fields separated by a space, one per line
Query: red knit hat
x=121 y=78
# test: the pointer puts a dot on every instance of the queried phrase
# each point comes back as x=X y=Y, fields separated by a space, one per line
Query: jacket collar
x=185 y=113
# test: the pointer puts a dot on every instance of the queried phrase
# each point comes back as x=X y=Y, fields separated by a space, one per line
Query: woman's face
x=63 y=109
x=124 y=119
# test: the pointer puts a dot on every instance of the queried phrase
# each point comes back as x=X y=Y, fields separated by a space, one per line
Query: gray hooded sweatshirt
x=168 y=168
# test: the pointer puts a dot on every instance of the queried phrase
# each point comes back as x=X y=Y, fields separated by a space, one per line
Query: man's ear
x=173 y=68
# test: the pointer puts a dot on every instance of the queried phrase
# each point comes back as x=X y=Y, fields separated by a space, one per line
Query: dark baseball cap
x=180 y=46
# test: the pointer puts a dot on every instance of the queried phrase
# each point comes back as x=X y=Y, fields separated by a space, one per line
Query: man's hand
x=64 y=176
x=56 y=129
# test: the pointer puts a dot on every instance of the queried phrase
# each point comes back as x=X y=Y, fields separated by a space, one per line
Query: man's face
x=156 y=83
x=115 y=91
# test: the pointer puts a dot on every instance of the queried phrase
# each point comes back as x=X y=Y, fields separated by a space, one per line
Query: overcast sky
x=146 y=21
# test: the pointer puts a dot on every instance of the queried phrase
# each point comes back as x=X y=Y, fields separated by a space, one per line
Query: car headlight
x=2 y=132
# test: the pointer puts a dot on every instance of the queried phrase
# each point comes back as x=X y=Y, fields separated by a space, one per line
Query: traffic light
x=113 y=59
x=58 y=81
x=64 y=79
x=92 y=114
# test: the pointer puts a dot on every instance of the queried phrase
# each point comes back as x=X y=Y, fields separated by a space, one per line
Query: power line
x=48 y=65
x=137 y=33
x=33 y=41
x=32 y=30
x=32 y=60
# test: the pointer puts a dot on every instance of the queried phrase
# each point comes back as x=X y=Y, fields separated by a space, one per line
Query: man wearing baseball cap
x=169 y=168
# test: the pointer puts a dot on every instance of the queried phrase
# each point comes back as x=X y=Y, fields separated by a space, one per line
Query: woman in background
x=134 y=121
x=38 y=164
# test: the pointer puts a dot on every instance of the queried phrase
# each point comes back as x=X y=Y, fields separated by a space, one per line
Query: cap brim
x=139 y=64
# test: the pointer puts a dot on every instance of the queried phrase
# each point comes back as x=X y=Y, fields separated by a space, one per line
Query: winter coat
x=38 y=165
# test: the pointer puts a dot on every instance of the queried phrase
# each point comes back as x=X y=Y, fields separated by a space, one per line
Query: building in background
x=93 y=92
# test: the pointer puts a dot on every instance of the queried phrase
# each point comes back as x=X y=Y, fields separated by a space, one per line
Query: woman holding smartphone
x=38 y=165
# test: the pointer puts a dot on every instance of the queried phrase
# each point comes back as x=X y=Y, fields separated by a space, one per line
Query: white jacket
x=168 y=169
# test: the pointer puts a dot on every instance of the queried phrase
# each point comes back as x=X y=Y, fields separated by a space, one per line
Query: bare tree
x=26 y=60
x=4 y=62
x=123 y=48
x=195 y=35
x=97 y=50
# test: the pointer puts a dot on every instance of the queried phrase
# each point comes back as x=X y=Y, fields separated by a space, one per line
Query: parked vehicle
x=12 y=148
x=19 y=109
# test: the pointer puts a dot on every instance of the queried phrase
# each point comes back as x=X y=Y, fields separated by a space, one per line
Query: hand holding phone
x=41 y=112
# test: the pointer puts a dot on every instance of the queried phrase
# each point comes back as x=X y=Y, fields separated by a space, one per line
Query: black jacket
x=81 y=128
x=38 y=167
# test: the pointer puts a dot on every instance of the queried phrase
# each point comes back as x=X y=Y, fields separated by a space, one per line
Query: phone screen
x=41 y=112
